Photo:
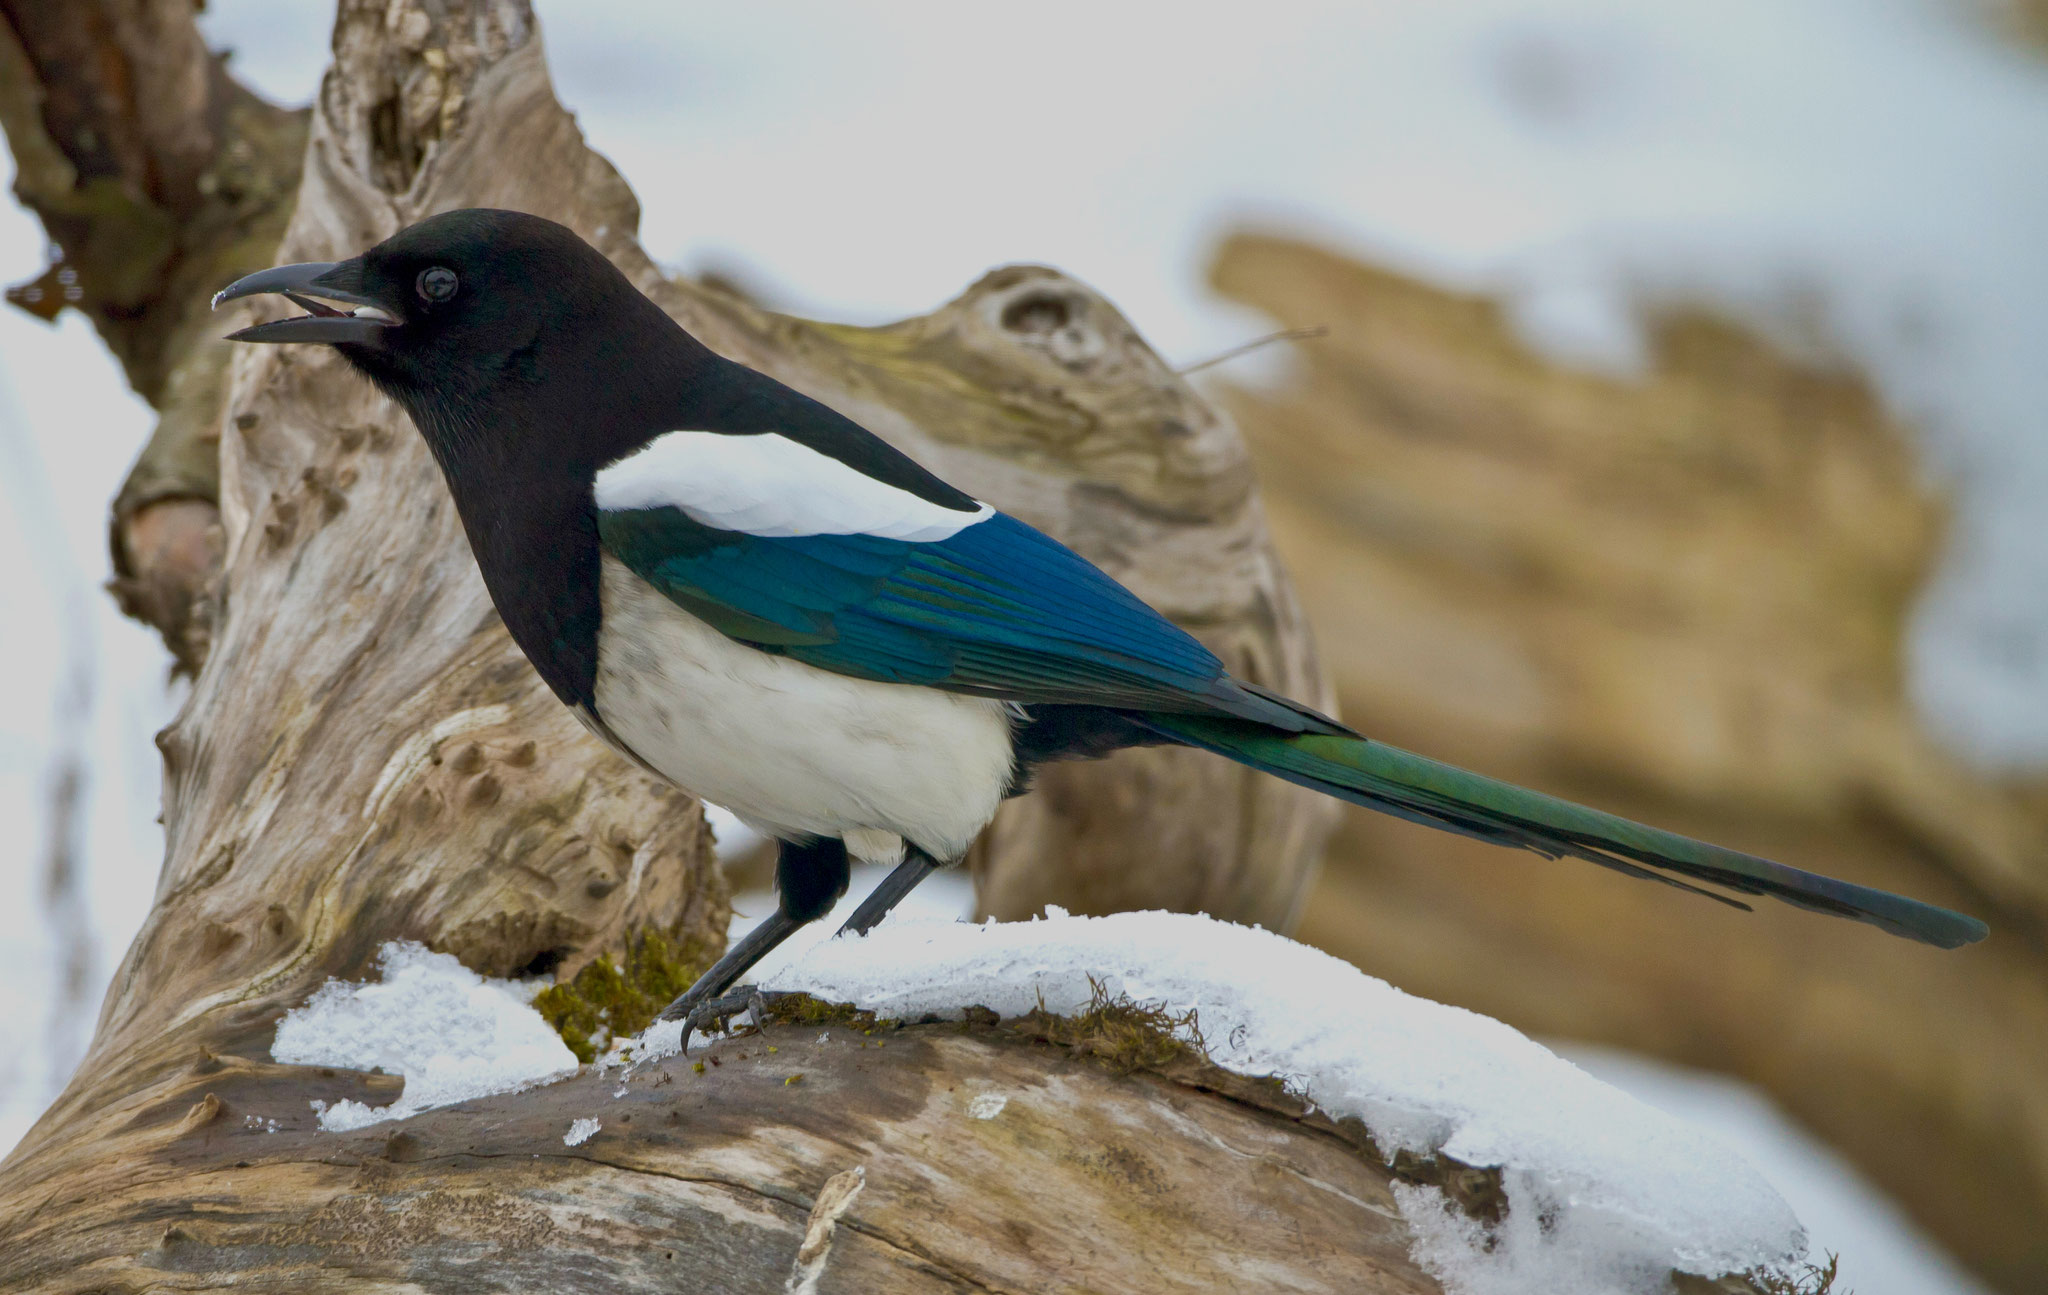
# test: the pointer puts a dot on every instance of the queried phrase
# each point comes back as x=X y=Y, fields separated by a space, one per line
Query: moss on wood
x=1122 y=1034
x=1811 y=1279
x=606 y=1001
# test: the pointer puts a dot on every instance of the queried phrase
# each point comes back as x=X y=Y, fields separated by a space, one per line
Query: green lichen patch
x=1124 y=1035
x=606 y=1001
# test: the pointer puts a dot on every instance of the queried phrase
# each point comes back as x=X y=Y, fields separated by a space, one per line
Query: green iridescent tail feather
x=1422 y=790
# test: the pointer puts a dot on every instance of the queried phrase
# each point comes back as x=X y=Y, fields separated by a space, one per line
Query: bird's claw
x=718 y=1012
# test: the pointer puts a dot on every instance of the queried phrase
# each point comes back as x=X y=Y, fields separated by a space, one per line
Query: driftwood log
x=983 y=1161
x=365 y=757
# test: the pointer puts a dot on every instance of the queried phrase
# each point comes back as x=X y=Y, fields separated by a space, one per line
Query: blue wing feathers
x=997 y=608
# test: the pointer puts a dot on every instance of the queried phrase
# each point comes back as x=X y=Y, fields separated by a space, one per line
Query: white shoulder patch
x=768 y=485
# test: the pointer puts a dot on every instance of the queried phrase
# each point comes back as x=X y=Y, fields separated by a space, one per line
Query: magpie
x=753 y=596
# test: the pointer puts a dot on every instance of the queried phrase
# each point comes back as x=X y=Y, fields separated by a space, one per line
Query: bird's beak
x=336 y=281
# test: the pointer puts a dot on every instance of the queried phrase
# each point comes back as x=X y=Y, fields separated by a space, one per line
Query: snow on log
x=1507 y=1169
x=1598 y=1192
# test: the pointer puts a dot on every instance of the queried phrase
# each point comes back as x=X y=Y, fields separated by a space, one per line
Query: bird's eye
x=437 y=284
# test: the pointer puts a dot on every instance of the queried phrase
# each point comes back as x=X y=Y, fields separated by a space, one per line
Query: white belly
x=793 y=750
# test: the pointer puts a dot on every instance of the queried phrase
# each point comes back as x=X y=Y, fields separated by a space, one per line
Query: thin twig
x=1284 y=335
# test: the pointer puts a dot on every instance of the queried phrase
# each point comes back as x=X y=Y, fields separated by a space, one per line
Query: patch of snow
x=986 y=1106
x=1604 y=1193
x=581 y=1131
x=1883 y=1251
x=453 y=1034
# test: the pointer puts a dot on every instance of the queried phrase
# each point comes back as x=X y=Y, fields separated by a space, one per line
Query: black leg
x=738 y=960
x=916 y=866
x=810 y=878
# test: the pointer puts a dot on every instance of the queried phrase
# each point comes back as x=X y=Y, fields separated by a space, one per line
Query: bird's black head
x=470 y=313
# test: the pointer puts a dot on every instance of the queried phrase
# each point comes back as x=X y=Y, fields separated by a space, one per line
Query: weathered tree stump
x=365 y=757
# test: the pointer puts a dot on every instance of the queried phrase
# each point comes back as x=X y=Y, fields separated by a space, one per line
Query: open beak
x=363 y=320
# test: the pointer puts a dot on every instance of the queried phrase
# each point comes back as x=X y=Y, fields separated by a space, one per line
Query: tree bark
x=365 y=757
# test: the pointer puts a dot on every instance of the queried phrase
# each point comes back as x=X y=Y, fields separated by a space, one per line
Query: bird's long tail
x=1422 y=790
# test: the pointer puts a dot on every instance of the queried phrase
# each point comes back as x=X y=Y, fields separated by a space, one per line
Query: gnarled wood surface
x=985 y=1164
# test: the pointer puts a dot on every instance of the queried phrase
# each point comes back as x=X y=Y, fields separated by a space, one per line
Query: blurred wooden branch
x=1680 y=596
x=2023 y=22
x=157 y=177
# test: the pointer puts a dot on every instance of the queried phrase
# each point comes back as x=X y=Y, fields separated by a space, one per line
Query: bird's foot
x=717 y=1013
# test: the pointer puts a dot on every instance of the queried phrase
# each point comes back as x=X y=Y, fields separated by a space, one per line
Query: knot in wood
x=1045 y=312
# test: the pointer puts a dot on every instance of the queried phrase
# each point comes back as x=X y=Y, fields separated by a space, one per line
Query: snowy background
x=1860 y=177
